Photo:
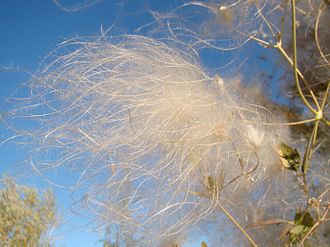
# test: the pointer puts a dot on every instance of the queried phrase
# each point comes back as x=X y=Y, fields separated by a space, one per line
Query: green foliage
x=304 y=219
x=303 y=222
x=290 y=157
x=24 y=216
x=211 y=183
x=203 y=244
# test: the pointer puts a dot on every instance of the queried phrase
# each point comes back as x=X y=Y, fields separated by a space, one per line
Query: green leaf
x=297 y=230
x=290 y=157
x=298 y=217
x=211 y=182
x=308 y=220
x=203 y=244
x=304 y=219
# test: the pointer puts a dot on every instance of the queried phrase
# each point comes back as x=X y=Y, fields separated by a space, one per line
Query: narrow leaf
x=274 y=221
x=309 y=150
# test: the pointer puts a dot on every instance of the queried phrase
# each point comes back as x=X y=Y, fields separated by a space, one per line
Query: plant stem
x=312 y=229
x=295 y=69
x=231 y=218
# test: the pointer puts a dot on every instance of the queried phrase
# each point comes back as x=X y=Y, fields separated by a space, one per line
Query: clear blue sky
x=29 y=30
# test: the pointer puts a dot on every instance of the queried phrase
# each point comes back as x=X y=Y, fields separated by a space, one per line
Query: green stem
x=294 y=46
x=231 y=218
x=310 y=148
x=326 y=121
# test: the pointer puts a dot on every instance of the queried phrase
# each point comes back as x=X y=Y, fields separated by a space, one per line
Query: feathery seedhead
x=141 y=126
x=256 y=136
